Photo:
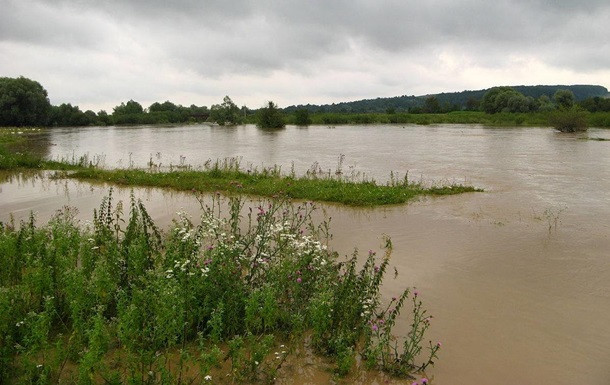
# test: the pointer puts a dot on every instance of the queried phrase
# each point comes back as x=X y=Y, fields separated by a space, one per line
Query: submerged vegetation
x=227 y=177
x=225 y=300
x=270 y=183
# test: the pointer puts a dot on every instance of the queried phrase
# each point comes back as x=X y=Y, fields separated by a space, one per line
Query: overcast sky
x=97 y=53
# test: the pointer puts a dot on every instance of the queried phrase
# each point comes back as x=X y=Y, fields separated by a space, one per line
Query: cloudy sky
x=97 y=53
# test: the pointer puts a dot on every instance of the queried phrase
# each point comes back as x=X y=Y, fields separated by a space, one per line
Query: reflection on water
x=518 y=277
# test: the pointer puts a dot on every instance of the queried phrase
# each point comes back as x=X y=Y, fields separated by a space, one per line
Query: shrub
x=569 y=119
x=270 y=117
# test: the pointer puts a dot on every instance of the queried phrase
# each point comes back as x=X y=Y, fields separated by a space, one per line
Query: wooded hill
x=449 y=100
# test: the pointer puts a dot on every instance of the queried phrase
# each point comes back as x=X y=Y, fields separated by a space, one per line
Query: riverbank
x=533 y=119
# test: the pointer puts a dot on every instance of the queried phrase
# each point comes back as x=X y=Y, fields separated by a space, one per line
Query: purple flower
x=424 y=381
x=438 y=344
x=374 y=327
x=416 y=293
x=299 y=280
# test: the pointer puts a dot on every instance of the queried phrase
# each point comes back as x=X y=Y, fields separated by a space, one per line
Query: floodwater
x=517 y=277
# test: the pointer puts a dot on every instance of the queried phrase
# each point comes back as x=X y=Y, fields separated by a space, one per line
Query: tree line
x=24 y=102
x=446 y=102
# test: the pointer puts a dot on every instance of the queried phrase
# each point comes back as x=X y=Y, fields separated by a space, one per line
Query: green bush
x=569 y=119
x=270 y=117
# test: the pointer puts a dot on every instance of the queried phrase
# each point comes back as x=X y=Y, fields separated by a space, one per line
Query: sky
x=99 y=53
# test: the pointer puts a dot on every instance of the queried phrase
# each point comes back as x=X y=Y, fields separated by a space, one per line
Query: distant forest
x=446 y=101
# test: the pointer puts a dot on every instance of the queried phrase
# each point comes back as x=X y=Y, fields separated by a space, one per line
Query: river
x=517 y=277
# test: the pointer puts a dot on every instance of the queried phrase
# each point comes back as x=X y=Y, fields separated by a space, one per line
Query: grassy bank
x=534 y=119
x=230 y=181
x=229 y=300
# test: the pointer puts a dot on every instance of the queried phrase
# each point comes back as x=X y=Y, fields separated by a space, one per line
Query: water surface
x=517 y=277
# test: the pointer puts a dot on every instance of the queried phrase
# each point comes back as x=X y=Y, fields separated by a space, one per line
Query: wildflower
x=438 y=344
x=416 y=293
x=208 y=378
x=415 y=383
x=299 y=280
x=424 y=381
x=374 y=327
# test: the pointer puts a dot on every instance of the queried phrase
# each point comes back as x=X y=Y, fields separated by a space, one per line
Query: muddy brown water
x=517 y=277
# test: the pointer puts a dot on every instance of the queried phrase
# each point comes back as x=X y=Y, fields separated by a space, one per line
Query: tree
x=564 y=98
x=103 y=118
x=23 y=102
x=301 y=117
x=596 y=104
x=432 y=105
x=270 y=117
x=166 y=106
x=225 y=113
x=506 y=99
x=67 y=115
x=472 y=104
x=130 y=108
x=569 y=119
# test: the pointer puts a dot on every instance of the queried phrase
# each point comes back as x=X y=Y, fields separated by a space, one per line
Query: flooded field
x=517 y=277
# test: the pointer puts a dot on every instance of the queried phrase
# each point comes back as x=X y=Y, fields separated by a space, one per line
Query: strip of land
x=263 y=184
x=230 y=180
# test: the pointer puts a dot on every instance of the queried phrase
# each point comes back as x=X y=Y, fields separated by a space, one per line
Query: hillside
x=459 y=99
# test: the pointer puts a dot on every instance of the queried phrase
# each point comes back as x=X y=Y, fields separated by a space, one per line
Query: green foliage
x=119 y=301
x=449 y=101
x=270 y=183
x=23 y=102
x=596 y=104
x=226 y=113
x=270 y=117
x=506 y=99
x=569 y=119
x=66 y=115
x=130 y=108
x=564 y=99
x=431 y=105
x=302 y=118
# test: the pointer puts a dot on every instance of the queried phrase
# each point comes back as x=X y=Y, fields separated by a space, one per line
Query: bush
x=569 y=119
x=301 y=117
x=270 y=117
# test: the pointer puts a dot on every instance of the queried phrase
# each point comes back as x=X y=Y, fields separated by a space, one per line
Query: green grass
x=532 y=119
x=271 y=185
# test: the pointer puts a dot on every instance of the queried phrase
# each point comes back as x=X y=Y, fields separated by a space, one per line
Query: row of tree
x=446 y=101
x=24 y=102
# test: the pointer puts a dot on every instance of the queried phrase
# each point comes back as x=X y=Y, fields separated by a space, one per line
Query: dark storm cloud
x=243 y=36
x=157 y=41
